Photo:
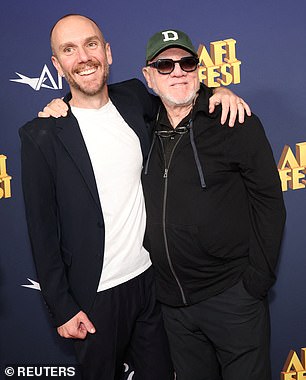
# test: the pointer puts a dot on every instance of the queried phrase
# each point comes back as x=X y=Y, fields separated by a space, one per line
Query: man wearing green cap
x=215 y=217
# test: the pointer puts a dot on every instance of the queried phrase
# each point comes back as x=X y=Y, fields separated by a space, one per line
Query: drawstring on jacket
x=195 y=154
x=194 y=149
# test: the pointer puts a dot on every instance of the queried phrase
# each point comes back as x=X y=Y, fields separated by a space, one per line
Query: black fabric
x=202 y=240
x=224 y=337
x=63 y=209
x=129 y=327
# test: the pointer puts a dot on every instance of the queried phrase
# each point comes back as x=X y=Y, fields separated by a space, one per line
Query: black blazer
x=63 y=210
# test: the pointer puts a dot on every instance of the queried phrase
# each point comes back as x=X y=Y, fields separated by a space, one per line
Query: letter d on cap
x=170 y=35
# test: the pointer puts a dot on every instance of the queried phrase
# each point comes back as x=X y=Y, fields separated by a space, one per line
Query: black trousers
x=224 y=337
x=129 y=326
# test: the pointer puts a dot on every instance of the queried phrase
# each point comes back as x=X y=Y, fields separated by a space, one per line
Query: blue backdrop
x=270 y=43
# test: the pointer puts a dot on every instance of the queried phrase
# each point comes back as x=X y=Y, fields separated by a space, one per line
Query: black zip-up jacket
x=215 y=210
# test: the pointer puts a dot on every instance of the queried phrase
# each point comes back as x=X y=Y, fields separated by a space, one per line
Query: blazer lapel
x=70 y=135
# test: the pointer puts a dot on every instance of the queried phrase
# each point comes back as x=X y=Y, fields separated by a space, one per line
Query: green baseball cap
x=166 y=39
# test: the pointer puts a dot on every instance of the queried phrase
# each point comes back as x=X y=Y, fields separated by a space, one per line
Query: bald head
x=69 y=24
x=81 y=55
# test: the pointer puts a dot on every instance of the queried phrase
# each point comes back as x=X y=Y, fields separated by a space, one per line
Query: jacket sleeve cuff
x=257 y=283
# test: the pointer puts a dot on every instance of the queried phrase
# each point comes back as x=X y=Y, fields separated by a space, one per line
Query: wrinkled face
x=81 y=55
x=178 y=88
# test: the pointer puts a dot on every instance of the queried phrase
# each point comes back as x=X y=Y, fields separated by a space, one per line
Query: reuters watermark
x=40 y=371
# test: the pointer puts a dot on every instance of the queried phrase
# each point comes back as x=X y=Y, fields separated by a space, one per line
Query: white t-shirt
x=116 y=158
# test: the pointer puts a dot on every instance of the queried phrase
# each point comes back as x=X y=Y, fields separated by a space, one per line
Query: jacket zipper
x=167 y=166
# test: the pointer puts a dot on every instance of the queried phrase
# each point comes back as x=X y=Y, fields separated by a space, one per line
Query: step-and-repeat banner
x=257 y=48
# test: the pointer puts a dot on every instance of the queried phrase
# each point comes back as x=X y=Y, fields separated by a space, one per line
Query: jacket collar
x=69 y=133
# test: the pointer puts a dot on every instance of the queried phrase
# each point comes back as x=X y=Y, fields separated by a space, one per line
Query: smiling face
x=178 y=88
x=81 y=55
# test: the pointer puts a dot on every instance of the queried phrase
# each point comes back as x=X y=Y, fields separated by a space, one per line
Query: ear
x=57 y=65
x=146 y=73
x=108 y=53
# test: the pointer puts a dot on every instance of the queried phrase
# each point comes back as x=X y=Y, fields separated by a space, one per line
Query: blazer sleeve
x=267 y=210
x=39 y=191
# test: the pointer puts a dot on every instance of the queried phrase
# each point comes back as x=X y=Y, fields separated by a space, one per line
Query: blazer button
x=100 y=225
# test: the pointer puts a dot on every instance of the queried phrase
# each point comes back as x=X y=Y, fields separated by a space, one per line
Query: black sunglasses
x=166 y=66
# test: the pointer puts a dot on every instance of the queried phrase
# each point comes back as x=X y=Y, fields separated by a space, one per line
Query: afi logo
x=45 y=80
x=34 y=285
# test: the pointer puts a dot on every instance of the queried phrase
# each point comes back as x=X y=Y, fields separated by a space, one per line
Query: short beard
x=173 y=101
x=89 y=92
x=166 y=98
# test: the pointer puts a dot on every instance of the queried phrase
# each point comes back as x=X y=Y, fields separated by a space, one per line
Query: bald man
x=86 y=215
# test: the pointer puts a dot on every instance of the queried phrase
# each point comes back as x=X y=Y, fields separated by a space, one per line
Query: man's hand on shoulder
x=77 y=327
x=56 y=108
x=231 y=103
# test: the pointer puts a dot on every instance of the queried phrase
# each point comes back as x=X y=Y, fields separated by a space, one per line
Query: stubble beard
x=172 y=100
